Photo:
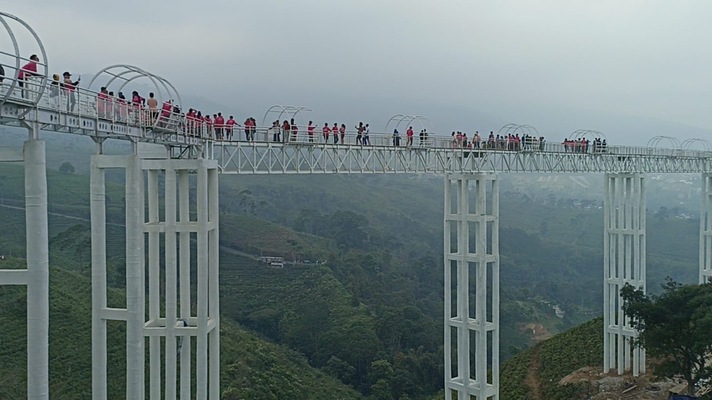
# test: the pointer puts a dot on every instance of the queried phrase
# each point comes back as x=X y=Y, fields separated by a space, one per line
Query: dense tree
x=66 y=168
x=675 y=328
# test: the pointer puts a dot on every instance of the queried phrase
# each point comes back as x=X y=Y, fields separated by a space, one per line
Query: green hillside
x=535 y=373
x=251 y=367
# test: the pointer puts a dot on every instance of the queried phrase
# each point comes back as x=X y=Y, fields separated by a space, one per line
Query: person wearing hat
x=70 y=87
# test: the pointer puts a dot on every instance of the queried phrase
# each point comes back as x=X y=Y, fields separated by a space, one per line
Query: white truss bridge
x=189 y=148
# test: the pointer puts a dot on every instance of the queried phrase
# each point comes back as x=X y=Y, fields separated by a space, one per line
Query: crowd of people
x=509 y=142
x=150 y=112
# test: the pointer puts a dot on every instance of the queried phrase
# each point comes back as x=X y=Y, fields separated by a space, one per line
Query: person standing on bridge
x=102 y=102
x=310 y=132
x=409 y=135
x=295 y=130
x=229 y=125
x=219 y=126
x=325 y=132
x=70 y=87
x=29 y=69
x=342 y=132
x=152 y=104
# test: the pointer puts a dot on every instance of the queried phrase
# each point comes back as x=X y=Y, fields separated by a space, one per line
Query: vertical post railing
x=471 y=252
x=623 y=263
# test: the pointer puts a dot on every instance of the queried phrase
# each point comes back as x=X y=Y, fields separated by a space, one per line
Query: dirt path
x=533 y=380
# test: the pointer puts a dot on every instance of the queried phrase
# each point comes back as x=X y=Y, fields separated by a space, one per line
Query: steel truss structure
x=167 y=222
x=471 y=248
x=623 y=263
x=276 y=158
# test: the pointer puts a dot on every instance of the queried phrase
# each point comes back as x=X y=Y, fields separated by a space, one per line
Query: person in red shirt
x=29 y=69
x=325 y=132
x=166 y=110
x=310 y=132
x=409 y=134
x=335 y=131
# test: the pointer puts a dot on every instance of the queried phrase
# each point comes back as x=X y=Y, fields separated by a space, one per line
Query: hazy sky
x=560 y=65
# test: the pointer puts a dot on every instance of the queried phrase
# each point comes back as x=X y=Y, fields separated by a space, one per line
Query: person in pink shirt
x=409 y=134
x=325 y=132
x=342 y=132
x=29 y=69
x=250 y=127
x=229 y=125
x=102 y=103
x=209 y=126
x=335 y=131
x=219 y=126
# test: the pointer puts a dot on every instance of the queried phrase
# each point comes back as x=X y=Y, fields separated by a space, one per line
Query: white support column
x=37 y=270
x=184 y=283
x=154 y=282
x=706 y=230
x=181 y=321
x=471 y=248
x=623 y=262
x=97 y=198
x=135 y=281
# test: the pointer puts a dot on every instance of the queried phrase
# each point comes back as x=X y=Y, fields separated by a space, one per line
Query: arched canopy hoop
x=117 y=77
x=521 y=129
x=695 y=144
x=399 y=120
x=14 y=58
x=665 y=140
x=287 y=111
x=586 y=134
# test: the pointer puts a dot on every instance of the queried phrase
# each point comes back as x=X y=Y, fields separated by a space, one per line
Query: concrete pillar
x=706 y=230
x=97 y=199
x=135 y=281
x=623 y=262
x=37 y=269
x=471 y=248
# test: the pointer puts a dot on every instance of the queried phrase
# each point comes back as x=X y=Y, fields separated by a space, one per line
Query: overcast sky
x=560 y=65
